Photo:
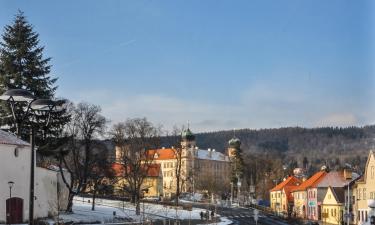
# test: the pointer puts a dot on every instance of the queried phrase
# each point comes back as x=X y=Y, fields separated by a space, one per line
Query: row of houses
x=332 y=197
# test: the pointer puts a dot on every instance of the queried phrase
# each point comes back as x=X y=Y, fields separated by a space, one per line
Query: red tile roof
x=312 y=181
x=165 y=153
x=290 y=181
x=153 y=169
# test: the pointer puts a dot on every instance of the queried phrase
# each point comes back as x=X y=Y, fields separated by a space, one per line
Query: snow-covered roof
x=10 y=139
x=211 y=155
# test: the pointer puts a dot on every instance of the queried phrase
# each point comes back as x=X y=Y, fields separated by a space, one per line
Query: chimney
x=209 y=153
x=347 y=174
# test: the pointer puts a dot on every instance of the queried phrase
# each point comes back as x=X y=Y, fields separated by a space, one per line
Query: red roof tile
x=312 y=181
x=153 y=169
x=166 y=153
x=290 y=181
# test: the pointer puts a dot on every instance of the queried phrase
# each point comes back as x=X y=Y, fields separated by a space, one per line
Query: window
x=372 y=172
x=16 y=152
x=364 y=193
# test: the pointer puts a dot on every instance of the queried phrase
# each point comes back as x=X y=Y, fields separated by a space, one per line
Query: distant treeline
x=333 y=146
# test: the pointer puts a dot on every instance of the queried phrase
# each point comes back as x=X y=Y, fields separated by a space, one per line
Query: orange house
x=153 y=182
x=280 y=196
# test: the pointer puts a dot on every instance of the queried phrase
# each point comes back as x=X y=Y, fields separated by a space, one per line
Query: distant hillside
x=334 y=146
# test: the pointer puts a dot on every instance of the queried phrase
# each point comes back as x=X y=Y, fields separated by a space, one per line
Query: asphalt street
x=246 y=216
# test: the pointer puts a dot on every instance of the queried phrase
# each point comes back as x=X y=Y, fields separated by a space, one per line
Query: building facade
x=201 y=170
x=364 y=193
x=333 y=206
x=15 y=163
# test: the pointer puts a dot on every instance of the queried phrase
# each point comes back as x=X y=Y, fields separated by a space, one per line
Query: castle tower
x=234 y=145
x=188 y=139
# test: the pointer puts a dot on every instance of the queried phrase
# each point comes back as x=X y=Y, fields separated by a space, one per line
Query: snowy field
x=124 y=211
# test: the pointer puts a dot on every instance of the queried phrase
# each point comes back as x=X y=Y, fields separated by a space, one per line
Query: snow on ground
x=124 y=210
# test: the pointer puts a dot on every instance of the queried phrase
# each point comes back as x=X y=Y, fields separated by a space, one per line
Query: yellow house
x=280 y=196
x=364 y=192
x=152 y=183
x=333 y=205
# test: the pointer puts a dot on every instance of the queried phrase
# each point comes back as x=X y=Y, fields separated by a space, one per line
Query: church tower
x=188 y=139
x=234 y=146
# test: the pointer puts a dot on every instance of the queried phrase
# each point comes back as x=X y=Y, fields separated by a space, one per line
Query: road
x=245 y=216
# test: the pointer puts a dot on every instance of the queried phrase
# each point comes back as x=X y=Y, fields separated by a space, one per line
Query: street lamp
x=33 y=107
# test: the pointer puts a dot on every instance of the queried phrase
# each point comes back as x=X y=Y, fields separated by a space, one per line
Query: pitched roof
x=312 y=181
x=290 y=181
x=153 y=169
x=169 y=153
x=10 y=139
x=339 y=194
x=335 y=179
x=161 y=154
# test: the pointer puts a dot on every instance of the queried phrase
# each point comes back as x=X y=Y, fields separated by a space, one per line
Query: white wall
x=16 y=169
x=45 y=203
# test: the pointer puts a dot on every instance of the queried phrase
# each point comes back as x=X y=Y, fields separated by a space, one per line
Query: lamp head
x=17 y=95
x=10 y=183
x=42 y=104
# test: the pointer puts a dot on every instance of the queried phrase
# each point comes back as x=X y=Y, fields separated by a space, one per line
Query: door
x=319 y=212
x=14 y=210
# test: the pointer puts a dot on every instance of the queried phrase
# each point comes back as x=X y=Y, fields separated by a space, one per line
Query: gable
x=370 y=168
x=330 y=198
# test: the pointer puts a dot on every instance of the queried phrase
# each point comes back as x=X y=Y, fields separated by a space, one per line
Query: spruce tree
x=22 y=65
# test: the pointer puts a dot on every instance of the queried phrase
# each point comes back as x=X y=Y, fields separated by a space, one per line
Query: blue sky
x=218 y=64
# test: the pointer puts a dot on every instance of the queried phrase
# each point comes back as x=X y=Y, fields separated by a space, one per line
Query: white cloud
x=338 y=119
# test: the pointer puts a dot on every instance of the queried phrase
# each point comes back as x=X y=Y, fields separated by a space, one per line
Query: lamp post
x=22 y=97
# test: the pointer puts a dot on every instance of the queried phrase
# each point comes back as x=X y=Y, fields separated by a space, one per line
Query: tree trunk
x=137 y=205
x=93 y=201
x=70 y=202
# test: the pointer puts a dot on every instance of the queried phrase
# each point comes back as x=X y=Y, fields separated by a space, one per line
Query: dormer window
x=156 y=155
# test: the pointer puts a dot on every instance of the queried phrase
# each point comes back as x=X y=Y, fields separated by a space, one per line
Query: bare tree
x=102 y=175
x=134 y=138
x=178 y=153
x=76 y=155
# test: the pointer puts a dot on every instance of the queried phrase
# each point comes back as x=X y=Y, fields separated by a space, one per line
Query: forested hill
x=335 y=145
